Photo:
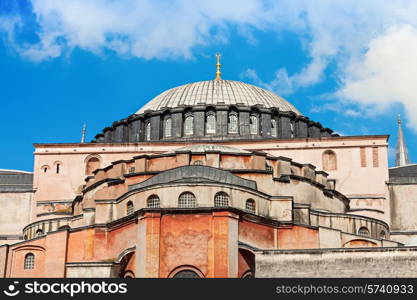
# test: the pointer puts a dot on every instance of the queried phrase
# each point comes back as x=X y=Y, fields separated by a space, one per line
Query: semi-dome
x=217 y=92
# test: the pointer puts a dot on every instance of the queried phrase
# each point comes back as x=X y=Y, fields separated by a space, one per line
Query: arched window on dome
x=250 y=205
x=168 y=128
x=210 y=123
x=198 y=163
x=130 y=209
x=148 y=131
x=292 y=130
x=253 y=125
x=274 y=129
x=29 y=263
x=232 y=124
x=153 y=201
x=329 y=160
x=221 y=199
x=187 y=200
x=383 y=235
x=189 y=125
x=363 y=231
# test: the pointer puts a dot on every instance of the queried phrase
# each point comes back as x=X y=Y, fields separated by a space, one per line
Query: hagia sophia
x=211 y=179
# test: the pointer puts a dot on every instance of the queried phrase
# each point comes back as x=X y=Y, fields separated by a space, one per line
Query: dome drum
x=222 y=122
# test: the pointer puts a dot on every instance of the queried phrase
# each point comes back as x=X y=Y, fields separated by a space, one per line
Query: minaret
x=218 y=65
x=83 y=134
x=401 y=157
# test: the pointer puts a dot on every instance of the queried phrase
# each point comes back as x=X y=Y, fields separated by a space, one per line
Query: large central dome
x=217 y=92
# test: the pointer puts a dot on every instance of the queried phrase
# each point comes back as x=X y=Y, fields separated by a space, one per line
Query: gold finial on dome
x=218 y=65
x=399 y=119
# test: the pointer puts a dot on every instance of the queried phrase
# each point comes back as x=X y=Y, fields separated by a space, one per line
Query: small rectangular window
x=375 y=158
x=363 y=157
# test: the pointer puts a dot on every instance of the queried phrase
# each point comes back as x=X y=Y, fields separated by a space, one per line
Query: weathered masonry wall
x=357 y=262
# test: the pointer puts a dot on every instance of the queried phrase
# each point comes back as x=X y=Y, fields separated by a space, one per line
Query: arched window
x=186 y=274
x=154 y=202
x=189 y=125
x=253 y=124
x=187 y=200
x=383 y=234
x=274 y=129
x=92 y=164
x=247 y=274
x=168 y=128
x=269 y=168
x=148 y=131
x=329 y=160
x=29 y=261
x=39 y=232
x=232 y=123
x=210 y=123
x=58 y=165
x=221 y=199
x=250 y=205
x=292 y=130
x=198 y=163
x=130 y=209
x=363 y=231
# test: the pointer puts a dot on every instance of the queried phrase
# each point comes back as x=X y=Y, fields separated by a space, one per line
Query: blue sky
x=350 y=66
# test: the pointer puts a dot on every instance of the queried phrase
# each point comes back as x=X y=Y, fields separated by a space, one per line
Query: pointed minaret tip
x=83 y=134
x=218 y=66
x=401 y=155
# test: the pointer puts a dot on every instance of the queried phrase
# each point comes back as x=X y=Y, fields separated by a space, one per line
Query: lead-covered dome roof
x=217 y=92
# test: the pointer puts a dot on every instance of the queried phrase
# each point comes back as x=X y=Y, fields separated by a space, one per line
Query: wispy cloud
x=137 y=28
x=372 y=44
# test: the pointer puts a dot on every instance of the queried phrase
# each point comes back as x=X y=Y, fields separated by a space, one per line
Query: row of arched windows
x=364 y=231
x=188 y=200
x=57 y=167
x=211 y=125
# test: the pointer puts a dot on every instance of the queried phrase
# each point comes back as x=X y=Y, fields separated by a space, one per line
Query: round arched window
x=210 y=123
x=232 y=123
x=186 y=274
x=221 y=199
x=187 y=200
x=250 y=205
x=383 y=234
x=274 y=129
x=148 y=131
x=253 y=125
x=92 y=164
x=363 y=231
x=154 y=202
x=189 y=125
x=168 y=128
x=130 y=209
x=29 y=261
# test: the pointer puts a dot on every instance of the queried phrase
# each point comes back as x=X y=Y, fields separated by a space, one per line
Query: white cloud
x=371 y=43
x=137 y=28
x=386 y=73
